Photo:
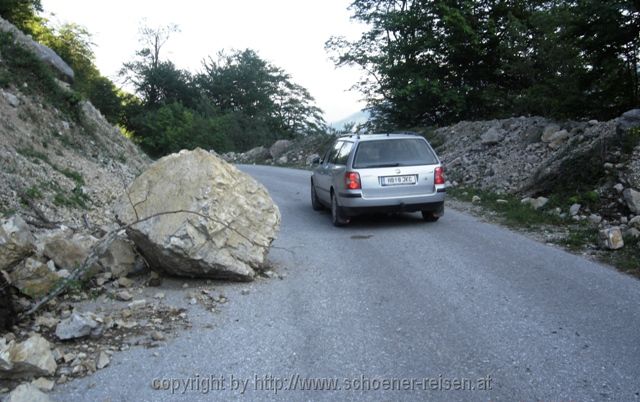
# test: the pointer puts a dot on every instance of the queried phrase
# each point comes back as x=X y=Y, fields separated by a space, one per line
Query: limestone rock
x=536 y=203
x=635 y=222
x=493 y=136
x=257 y=153
x=34 y=278
x=103 y=361
x=27 y=393
x=574 y=209
x=549 y=131
x=611 y=238
x=41 y=51
x=630 y=119
x=632 y=197
x=78 y=326
x=120 y=258
x=11 y=99
x=16 y=241
x=279 y=147
x=26 y=360
x=43 y=384
x=230 y=232
x=69 y=252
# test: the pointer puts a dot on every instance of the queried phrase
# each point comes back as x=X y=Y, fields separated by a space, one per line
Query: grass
x=580 y=235
x=514 y=212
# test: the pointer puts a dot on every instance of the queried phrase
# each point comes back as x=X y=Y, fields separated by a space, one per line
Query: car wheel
x=337 y=217
x=430 y=216
x=315 y=202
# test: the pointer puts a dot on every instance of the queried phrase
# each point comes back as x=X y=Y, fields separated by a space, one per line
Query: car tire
x=429 y=216
x=315 y=201
x=337 y=216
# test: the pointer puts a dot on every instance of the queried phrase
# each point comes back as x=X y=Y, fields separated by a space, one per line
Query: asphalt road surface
x=393 y=308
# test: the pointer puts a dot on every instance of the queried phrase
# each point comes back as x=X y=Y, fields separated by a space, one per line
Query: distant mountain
x=360 y=117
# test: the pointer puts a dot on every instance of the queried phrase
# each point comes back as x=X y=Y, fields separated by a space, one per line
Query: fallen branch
x=103 y=245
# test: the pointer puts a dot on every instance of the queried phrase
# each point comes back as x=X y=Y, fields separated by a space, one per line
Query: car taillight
x=352 y=181
x=439 y=176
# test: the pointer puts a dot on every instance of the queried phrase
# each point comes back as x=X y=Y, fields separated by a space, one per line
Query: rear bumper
x=353 y=204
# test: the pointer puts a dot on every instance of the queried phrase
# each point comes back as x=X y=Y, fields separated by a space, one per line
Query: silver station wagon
x=374 y=173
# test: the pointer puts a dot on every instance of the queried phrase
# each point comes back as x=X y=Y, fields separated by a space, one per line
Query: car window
x=333 y=152
x=396 y=152
x=343 y=154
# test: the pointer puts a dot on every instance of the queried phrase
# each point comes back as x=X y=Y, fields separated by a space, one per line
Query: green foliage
x=20 y=12
x=437 y=62
x=238 y=102
x=73 y=43
x=514 y=212
x=21 y=66
x=33 y=193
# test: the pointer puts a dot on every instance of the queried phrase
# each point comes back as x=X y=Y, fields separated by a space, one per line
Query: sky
x=287 y=33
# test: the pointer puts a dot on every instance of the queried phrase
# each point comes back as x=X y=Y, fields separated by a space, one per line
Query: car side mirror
x=315 y=161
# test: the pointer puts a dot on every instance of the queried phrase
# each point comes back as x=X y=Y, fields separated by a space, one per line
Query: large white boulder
x=29 y=359
x=228 y=230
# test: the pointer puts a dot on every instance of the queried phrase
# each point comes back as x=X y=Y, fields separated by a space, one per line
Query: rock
x=630 y=119
x=574 y=209
x=125 y=282
x=34 y=278
x=157 y=336
x=120 y=258
x=536 y=203
x=41 y=51
x=618 y=187
x=501 y=201
x=493 y=136
x=123 y=295
x=635 y=222
x=103 y=361
x=632 y=198
x=69 y=252
x=283 y=160
x=595 y=218
x=476 y=199
x=632 y=232
x=256 y=154
x=611 y=238
x=78 y=326
x=43 y=384
x=279 y=147
x=227 y=236
x=557 y=138
x=16 y=241
x=309 y=159
x=11 y=99
x=26 y=360
x=137 y=304
x=549 y=131
x=27 y=393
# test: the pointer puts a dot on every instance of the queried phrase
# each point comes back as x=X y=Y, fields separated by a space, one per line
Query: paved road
x=458 y=302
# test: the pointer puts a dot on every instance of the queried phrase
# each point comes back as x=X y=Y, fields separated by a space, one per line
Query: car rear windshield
x=396 y=152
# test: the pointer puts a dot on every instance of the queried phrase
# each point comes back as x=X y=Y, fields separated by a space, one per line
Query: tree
x=20 y=12
x=438 y=61
x=242 y=82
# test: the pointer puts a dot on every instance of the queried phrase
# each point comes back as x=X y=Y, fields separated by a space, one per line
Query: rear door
x=324 y=173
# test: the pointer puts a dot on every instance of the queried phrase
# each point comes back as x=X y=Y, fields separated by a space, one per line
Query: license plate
x=398 y=180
